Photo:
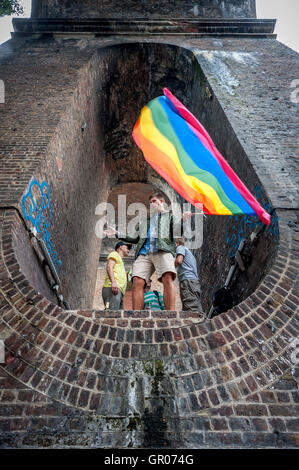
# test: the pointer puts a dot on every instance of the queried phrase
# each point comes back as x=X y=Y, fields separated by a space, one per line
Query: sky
x=285 y=11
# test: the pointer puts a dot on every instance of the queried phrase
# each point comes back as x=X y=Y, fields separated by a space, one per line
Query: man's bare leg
x=138 y=293
x=168 y=291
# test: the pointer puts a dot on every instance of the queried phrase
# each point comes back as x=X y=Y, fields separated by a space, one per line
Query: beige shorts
x=161 y=262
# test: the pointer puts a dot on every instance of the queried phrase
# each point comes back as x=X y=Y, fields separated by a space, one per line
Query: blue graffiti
x=37 y=209
x=238 y=226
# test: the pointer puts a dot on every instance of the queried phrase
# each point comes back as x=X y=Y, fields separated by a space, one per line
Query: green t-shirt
x=151 y=301
x=119 y=271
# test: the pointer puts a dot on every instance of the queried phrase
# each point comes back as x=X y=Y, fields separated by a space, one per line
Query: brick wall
x=244 y=81
x=79 y=143
x=76 y=171
x=55 y=149
x=74 y=378
x=30 y=264
x=214 y=251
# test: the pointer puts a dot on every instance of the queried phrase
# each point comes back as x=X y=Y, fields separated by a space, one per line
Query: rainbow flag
x=179 y=148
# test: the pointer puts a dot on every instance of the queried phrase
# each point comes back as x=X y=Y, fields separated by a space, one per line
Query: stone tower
x=75 y=76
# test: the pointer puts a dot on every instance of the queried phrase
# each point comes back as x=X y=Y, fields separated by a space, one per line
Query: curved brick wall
x=108 y=93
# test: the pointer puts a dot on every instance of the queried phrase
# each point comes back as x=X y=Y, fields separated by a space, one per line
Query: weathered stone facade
x=143 y=9
x=93 y=378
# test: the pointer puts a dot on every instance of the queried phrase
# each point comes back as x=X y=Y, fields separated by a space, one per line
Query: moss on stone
x=115 y=423
x=158 y=376
x=159 y=367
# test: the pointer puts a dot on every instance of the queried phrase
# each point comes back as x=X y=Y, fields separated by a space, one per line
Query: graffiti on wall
x=238 y=227
x=37 y=209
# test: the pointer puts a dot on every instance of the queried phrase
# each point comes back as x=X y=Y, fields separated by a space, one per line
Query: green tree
x=9 y=7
